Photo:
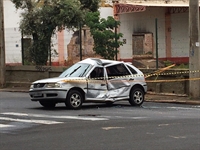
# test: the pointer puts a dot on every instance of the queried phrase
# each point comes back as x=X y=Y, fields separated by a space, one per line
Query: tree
x=106 y=40
x=42 y=18
x=91 y=5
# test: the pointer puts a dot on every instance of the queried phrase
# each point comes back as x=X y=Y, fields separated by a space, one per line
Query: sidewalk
x=15 y=89
x=170 y=98
x=149 y=97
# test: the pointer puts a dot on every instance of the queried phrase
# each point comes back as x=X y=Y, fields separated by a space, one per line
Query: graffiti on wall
x=43 y=68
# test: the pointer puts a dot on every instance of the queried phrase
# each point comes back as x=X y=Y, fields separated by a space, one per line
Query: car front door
x=97 y=87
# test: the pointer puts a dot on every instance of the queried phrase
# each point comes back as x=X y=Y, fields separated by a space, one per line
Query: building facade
x=154 y=27
x=150 y=28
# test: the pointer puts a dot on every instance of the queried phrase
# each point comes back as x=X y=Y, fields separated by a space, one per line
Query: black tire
x=136 y=96
x=47 y=104
x=109 y=103
x=74 y=99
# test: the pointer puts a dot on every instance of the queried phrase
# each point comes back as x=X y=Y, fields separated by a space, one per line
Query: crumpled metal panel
x=117 y=83
x=118 y=88
x=108 y=91
x=96 y=89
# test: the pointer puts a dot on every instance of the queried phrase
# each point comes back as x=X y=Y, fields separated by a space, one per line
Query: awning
x=130 y=6
x=161 y=4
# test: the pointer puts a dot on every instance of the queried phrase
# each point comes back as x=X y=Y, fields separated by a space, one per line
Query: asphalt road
x=154 y=126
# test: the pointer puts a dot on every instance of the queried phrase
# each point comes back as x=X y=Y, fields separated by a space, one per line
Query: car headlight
x=53 y=85
x=32 y=86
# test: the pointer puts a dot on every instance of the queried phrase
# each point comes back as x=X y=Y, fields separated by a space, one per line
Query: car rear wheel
x=136 y=97
x=47 y=104
x=74 y=99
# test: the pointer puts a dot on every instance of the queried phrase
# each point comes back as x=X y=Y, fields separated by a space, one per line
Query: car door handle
x=103 y=84
x=131 y=79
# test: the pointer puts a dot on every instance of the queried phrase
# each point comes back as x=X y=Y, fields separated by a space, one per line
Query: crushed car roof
x=98 y=61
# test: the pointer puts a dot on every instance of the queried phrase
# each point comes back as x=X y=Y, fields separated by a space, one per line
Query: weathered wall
x=142 y=22
x=22 y=76
x=12 y=33
x=180 y=34
x=13 y=45
x=170 y=81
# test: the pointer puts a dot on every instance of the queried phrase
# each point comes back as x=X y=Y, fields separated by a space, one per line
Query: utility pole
x=2 y=46
x=156 y=30
x=80 y=39
x=115 y=40
x=194 y=54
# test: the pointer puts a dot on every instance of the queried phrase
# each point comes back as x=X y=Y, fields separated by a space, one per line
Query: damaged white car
x=92 y=80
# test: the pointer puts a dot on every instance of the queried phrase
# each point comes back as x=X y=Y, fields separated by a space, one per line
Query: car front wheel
x=136 y=97
x=47 y=104
x=74 y=99
x=109 y=103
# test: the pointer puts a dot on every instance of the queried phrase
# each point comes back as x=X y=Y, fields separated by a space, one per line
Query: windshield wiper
x=84 y=71
x=74 y=70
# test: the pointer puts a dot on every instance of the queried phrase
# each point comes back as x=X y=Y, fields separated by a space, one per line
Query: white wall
x=13 y=45
x=142 y=22
x=105 y=12
x=12 y=33
x=180 y=35
x=11 y=15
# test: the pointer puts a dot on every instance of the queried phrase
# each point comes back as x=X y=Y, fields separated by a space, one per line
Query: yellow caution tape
x=157 y=73
x=173 y=80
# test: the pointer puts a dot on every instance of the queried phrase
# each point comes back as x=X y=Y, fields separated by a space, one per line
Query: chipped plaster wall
x=142 y=22
x=73 y=48
x=180 y=35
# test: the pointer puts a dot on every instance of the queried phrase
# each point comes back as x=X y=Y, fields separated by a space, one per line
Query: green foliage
x=177 y=66
x=42 y=18
x=183 y=66
x=91 y=5
x=106 y=40
x=168 y=63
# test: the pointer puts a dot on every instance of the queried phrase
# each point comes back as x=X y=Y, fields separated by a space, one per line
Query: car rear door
x=118 y=81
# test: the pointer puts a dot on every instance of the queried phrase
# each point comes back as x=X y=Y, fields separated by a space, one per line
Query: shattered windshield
x=77 y=70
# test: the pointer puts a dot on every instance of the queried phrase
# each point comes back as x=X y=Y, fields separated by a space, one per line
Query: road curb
x=189 y=102
x=14 y=90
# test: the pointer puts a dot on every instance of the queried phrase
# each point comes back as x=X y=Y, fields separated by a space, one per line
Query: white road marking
x=111 y=128
x=178 y=137
x=123 y=117
x=160 y=125
x=151 y=133
x=184 y=108
x=5 y=125
x=57 y=117
x=30 y=121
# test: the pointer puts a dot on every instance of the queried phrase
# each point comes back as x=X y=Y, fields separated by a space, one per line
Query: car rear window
x=117 y=70
x=132 y=70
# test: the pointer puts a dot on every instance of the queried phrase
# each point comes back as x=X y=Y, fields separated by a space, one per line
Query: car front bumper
x=48 y=94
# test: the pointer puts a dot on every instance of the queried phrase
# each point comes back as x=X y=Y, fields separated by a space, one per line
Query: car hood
x=58 y=79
